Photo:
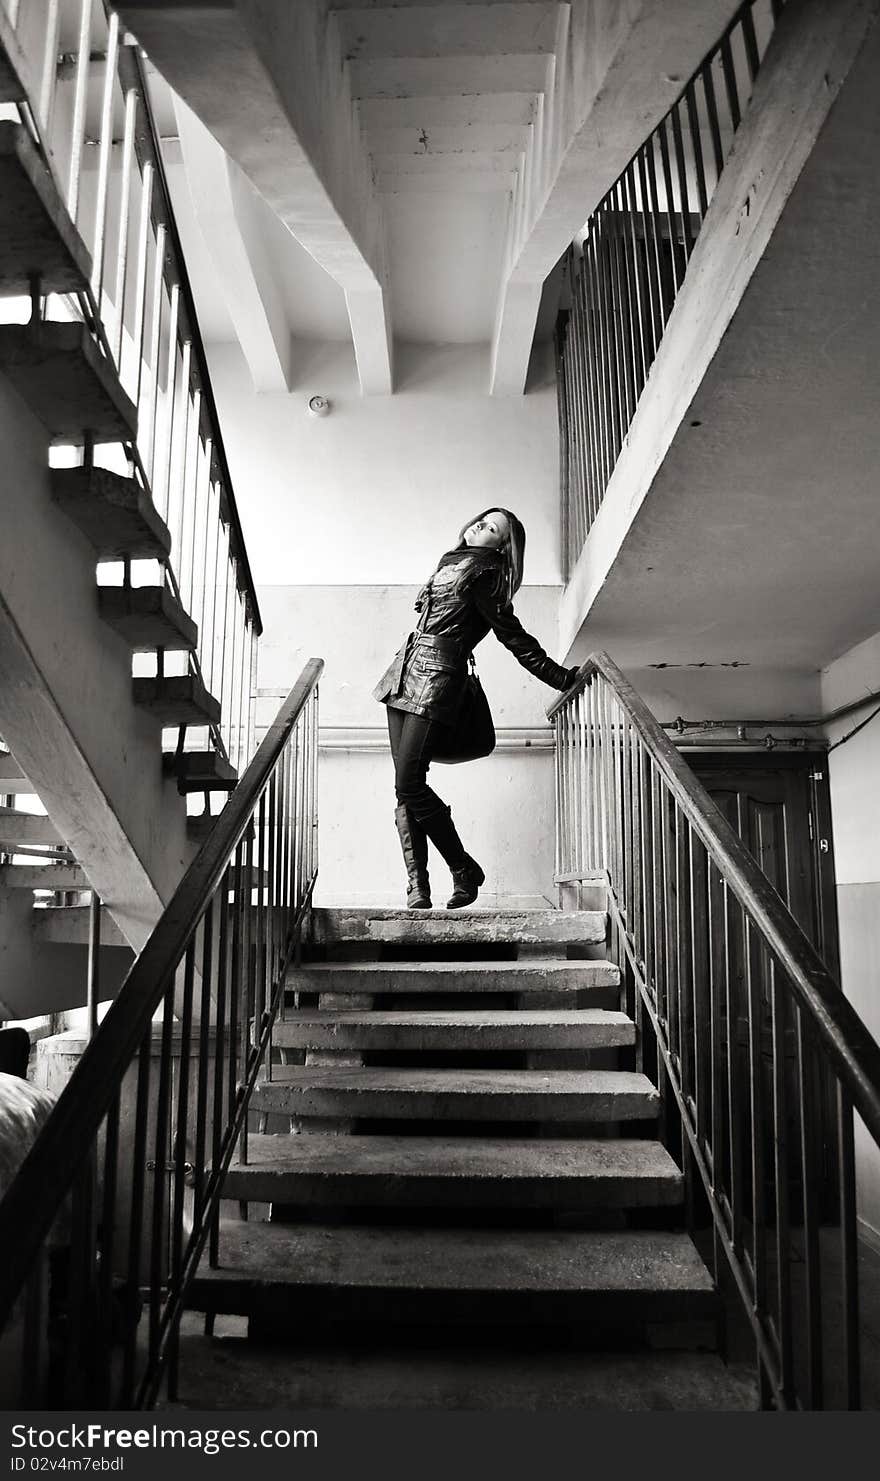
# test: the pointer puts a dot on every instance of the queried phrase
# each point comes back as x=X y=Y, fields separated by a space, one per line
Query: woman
x=470 y=592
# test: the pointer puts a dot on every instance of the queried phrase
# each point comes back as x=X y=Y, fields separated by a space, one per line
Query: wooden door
x=780 y=808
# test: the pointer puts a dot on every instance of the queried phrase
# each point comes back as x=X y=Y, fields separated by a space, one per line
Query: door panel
x=771 y=805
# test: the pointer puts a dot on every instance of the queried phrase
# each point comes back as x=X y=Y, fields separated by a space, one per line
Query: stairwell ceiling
x=433 y=157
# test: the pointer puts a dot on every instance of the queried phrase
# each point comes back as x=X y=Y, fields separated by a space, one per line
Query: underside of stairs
x=453 y=1137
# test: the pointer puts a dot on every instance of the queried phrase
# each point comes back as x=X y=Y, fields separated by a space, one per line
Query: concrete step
x=116 y=515
x=10 y=771
x=181 y=699
x=455 y=1094
x=529 y=975
x=37 y=236
x=147 y=617
x=69 y=924
x=200 y=771
x=26 y=828
x=43 y=877
x=434 y=927
x=14 y=70
x=585 y=1028
x=66 y=381
x=289 y=1271
x=455 y=1172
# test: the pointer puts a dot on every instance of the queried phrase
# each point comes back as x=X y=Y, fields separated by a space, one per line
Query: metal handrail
x=59 y=1154
x=842 y=1033
x=247 y=585
x=140 y=309
x=627 y=267
x=760 y=1060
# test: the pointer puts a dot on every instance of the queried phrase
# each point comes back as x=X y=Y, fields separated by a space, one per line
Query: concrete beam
x=266 y=79
x=224 y=207
x=618 y=69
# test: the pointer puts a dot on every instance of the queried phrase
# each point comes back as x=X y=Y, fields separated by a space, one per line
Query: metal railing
x=626 y=271
x=759 y=1057
x=119 y=1195
x=88 y=109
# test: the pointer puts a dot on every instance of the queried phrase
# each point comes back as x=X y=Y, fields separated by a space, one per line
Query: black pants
x=410 y=737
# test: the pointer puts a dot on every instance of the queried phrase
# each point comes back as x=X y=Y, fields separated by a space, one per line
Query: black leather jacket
x=459 y=606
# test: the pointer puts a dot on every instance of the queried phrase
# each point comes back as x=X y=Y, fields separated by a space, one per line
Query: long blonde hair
x=512 y=550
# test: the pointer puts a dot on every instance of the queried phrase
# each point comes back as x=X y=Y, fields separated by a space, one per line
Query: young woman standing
x=469 y=594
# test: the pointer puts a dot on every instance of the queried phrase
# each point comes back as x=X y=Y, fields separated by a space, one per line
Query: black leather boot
x=414 y=842
x=467 y=876
x=466 y=883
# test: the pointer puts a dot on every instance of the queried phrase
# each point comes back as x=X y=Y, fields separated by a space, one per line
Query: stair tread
x=466 y=1017
x=528 y=975
x=15 y=81
x=529 y=966
x=69 y=924
x=69 y=385
x=43 y=877
x=284 y=1255
x=116 y=515
x=26 y=828
x=177 y=699
x=442 y=1157
x=474 y=923
x=37 y=235
x=148 y=617
x=458 y=1081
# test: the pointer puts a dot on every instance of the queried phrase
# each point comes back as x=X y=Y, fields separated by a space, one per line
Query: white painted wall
x=854 y=770
x=376 y=491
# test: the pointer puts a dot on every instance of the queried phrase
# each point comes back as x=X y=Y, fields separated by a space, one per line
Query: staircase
x=448 y=1138
x=105 y=661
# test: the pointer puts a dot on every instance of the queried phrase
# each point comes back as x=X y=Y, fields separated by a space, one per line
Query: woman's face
x=490 y=531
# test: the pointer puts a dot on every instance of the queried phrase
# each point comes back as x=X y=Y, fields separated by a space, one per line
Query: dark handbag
x=472 y=734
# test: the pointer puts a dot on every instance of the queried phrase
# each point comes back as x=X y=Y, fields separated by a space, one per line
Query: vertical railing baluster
x=207 y=993
x=178 y=1144
x=158 y=1229
x=778 y=1030
x=219 y=1116
x=699 y=1011
x=697 y=149
x=730 y=86
x=104 y=154
x=712 y=115
x=732 y=917
x=753 y=58
x=140 y=298
x=756 y=1112
x=122 y=254
x=849 y=1252
x=133 y=1280
x=811 y=1174
x=49 y=70
x=78 y=125
x=683 y=196
x=678 y=259
x=147 y=422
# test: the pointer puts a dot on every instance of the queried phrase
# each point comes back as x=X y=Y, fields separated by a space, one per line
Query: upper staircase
x=454 y=1129
x=128 y=619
